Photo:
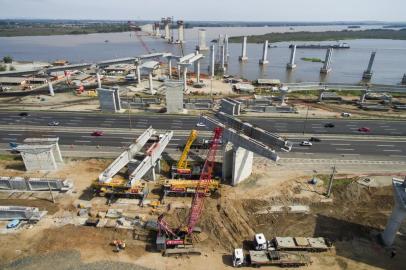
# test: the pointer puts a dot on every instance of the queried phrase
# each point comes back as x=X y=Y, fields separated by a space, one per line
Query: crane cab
x=238 y=257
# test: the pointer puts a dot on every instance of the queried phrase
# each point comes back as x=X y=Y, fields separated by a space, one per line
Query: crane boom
x=204 y=181
x=182 y=163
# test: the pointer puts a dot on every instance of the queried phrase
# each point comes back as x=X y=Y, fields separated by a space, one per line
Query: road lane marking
x=397 y=156
x=387 y=150
x=340 y=144
x=15 y=134
x=9 y=139
x=351 y=154
x=82 y=141
x=386 y=145
x=390 y=129
x=344 y=149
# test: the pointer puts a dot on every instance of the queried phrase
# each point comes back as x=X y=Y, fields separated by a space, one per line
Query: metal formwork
x=34 y=184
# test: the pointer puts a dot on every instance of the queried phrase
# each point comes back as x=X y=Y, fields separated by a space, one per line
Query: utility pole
x=307 y=114
x=330 y=183
x=129 y=111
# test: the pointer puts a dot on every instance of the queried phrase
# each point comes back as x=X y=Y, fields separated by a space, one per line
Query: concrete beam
x=21 y=213
x=153 y=155
x=240 y=140
x=124 y=158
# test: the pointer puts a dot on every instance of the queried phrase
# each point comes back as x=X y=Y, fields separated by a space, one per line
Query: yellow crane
x=182 y=166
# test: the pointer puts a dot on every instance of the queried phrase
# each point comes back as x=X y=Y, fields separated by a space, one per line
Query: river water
x=347 y=65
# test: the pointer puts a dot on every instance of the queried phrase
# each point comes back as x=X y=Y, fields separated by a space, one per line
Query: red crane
x=198 y=199
x=137 y=31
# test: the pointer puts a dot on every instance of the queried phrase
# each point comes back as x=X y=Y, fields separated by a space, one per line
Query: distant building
x=60 y=63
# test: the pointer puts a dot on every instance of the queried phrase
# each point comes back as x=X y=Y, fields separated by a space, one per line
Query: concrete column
x=170 y=68
x=327 y=62
x=198 y=71
x=227 y=166
x=398 y=214
x=242 y=165
x=98 y=80
x=151 y=87
x=222 y=57
x=243 y=56
x=212 y=61
x=167 y=32
x=291 y=64
x=185 y=79
x=51 y=88
x=226 y=49
x=367 y=75
x=180 y=32
x=362 y=99
x=138 y=74
x=404 y=79
x=179 y=71
x=321 y=96
x=202 y=40
x=58 y=154
x=264 y=59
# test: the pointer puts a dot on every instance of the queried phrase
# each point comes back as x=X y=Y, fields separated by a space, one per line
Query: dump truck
x=258 y=258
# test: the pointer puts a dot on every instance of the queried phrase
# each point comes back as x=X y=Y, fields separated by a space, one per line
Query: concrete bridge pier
x=398 y=214
x=264 y=59
x=98 y=80
x=237 y=163
x=212 y=61
x=327 y=62
x=243 y=56
x=151 y=86
x=185 y=79
x=367 y=75
x=51 y=88
x=404 y=79
x=291 y=64
x=170 y=68
x=138 y=73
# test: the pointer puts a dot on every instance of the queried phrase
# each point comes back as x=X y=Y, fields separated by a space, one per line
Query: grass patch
x=312 y=59
x=9 y=157
x=337 y=180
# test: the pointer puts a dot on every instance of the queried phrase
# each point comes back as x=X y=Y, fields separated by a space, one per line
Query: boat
x=342 y=45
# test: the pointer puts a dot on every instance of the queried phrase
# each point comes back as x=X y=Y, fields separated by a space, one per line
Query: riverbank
x=325 y=36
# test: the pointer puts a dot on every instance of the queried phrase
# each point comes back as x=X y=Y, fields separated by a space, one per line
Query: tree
x=3 y=68
x=12 y=68
x=8 y=59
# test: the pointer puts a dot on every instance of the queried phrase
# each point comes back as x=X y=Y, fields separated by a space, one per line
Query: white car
x=345 y=114
x=200 y=124
x=306 y=143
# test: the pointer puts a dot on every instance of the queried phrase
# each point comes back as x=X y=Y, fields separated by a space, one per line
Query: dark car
x=329 y=125
x=364 y=129
x=23 y=114
x=97 y=133
x=315 y=139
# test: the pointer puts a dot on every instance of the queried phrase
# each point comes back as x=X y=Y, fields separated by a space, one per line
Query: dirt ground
x=352 y=219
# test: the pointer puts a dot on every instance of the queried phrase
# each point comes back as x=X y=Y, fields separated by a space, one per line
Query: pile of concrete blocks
x=230 y=106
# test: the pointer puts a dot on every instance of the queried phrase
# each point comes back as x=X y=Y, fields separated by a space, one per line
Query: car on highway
x=315 y=139
x=23 y=114
x=200 y=124
x=345 y=114
x=97 y=133
x=306 y=143
x=53 y=123
x=329 y=125
x=364 y=129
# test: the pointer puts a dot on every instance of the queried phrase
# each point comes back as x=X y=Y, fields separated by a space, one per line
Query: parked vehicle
x=200 y=124
x=23 y=114
x=315 y=139
x=13 y=224
x=329 y=125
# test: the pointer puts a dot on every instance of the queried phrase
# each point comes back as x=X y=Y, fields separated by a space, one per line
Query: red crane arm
x=204 y=181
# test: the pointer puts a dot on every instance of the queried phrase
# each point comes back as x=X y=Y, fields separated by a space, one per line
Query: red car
x=97 y=133
x=364 y=129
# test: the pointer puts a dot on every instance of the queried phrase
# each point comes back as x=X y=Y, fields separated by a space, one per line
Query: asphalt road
x=100 y=121
x=351 y=146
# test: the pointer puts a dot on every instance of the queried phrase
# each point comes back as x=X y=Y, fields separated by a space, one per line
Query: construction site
x=149 y=166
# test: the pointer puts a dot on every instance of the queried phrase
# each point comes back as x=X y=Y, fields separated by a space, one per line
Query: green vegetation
x=337 y=181
x=3 y=68
x=12 y=68
x=325 y=36
x=8 y=59
x=9 y=157
x=48 y=29
x=312 y=59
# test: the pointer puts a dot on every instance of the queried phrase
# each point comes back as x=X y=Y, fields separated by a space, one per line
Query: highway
x=385 y=138
x=278 y=125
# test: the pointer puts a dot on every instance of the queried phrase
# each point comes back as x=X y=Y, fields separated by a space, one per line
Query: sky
x=207 y=10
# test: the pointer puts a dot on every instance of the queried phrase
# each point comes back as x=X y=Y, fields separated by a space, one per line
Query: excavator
x=180 y=240
x=183 y=174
